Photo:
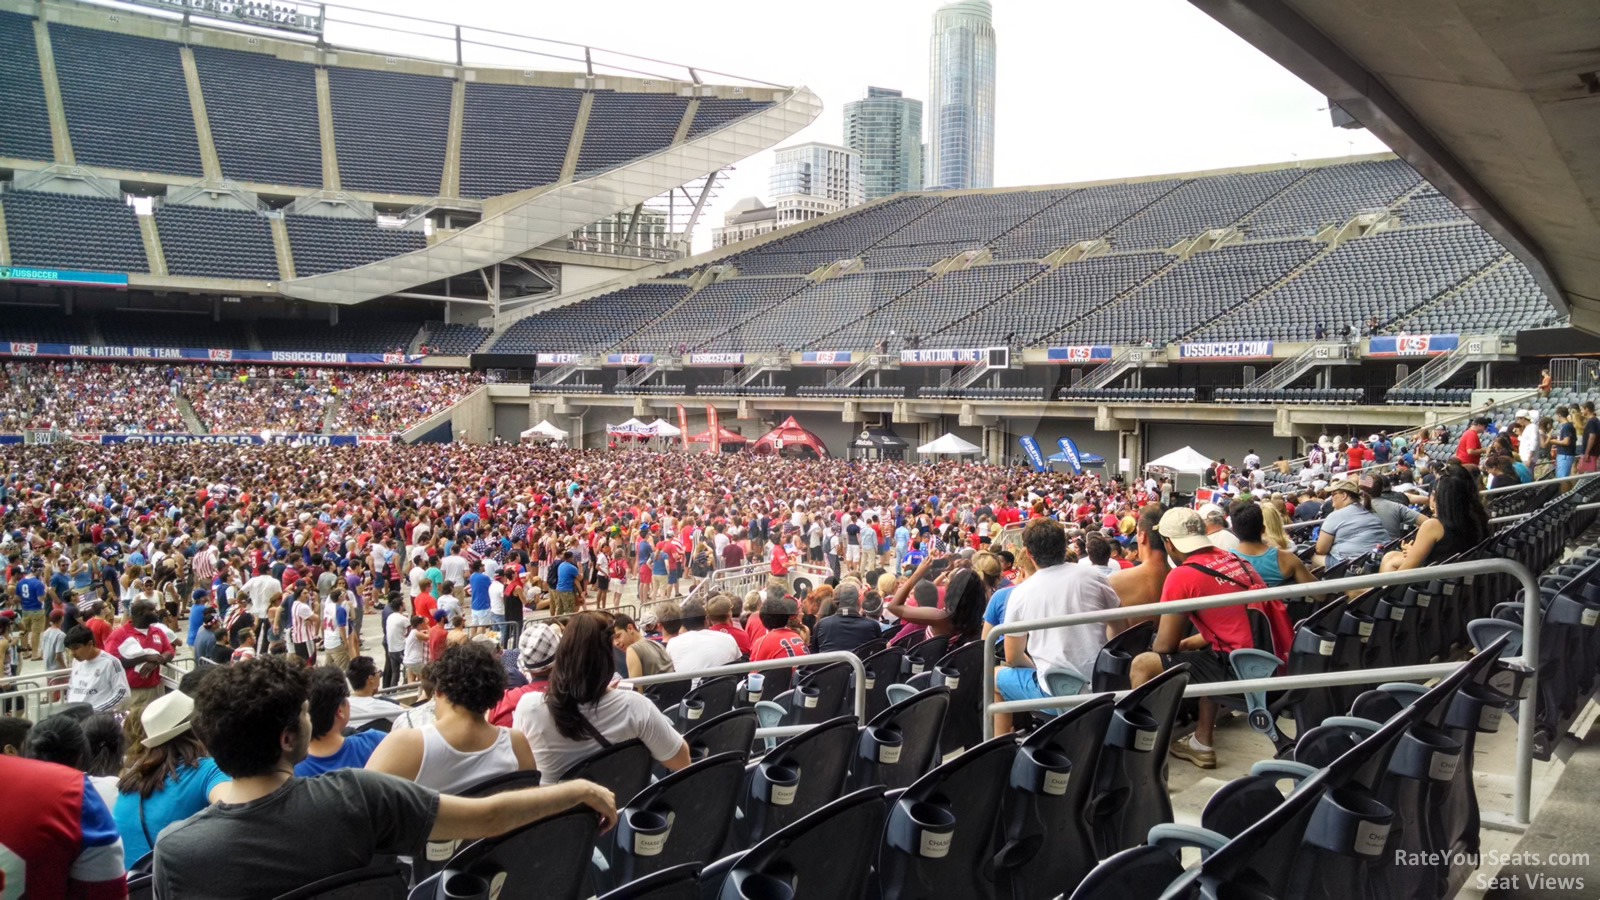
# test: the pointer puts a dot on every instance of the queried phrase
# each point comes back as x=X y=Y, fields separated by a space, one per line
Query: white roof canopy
x=545 y=429
x=949 y=445
x=1187 y=461
x=663 y=428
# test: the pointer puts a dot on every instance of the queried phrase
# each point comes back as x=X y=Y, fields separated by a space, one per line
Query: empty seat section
x=973 y=220
x=454 y=340
x=623 y=127
x=934 y=305
x=1086 y=214
x=322 y=244
x=819 y=310
x=715 y=112
x=263 y=116
x=1505 y=300
x=163 y=329
x=26 y=134
x=711 y=311
x=126 y=101
x=1191 y=293
x=1330 y=195
x=42 y=325
x=353 y=334
x=1430 y=206
x=1386 y=275
x=594 y=323
x=514 y=136
x=1198 y=205
x=391 y=129
x=783 y=263
x=219 y=243
x=67 y=231
x=1061 y=296
x=848 y=235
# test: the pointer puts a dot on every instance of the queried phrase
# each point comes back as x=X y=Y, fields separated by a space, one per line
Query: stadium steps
x=281 y=247
x=60 y=136
x=331 y=414
x=580 y=124
x=153 y=254
x=995 y=241
x=418 y=339
x=1442 y=296
x=252 y=338
x=330 y=151
x=1240 y=222
x=1258 y=296
x=697 y=285
x=861 y=253
x=450 y=181
x=1116 y=298
x=869 y=313
x=190 y=417
x=689 y=110
x=1043 y=271
x=210 y=163
x=92 y=332
x=5 y=240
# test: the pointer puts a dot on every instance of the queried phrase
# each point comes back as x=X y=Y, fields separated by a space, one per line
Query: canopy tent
x=1187 y=461
x=663 y=428
x=1087 y=460
x=882 y=442
x=790 y=439
x=949 y=445
x=725 y=436
x=544 y=431
x=630 y=428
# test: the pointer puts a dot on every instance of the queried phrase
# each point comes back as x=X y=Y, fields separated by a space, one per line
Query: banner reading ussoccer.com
x=1226 y=350
x=191 y=354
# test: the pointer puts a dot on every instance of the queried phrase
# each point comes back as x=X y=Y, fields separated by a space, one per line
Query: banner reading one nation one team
x=194 y=354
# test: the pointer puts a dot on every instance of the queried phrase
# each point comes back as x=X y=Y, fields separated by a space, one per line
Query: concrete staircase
x=190 y=417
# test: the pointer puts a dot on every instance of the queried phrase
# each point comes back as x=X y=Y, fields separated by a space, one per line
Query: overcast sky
x=1084 y=90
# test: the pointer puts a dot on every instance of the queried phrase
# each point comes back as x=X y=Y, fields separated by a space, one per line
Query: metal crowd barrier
x=1529 y=658
x=782 y=662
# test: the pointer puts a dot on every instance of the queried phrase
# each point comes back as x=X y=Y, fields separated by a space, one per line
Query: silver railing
x=1542 y=482
x=781 y=662
x=1529 y=658
x=740 y=580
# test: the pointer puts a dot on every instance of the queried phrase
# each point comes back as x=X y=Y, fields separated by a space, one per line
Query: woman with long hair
x=961 y=614
x=1272 y=531
x=169 y=778
x=459 y=747
x=582 y=711
x=1460 y=522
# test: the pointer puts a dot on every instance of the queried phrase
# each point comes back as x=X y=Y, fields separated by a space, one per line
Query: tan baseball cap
x=1185 y=529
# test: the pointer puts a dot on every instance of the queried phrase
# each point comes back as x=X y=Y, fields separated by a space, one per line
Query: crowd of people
x=89 y=396
x=130 y=398
x=496 y=575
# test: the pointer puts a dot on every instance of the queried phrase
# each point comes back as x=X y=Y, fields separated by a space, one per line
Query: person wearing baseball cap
x=1201 y=569
x=1351 y=528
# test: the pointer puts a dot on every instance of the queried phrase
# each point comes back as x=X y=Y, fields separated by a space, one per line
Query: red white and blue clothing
x=60 y=840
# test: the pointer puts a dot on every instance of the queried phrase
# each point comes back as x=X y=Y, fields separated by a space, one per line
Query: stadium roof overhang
x=1497 y=104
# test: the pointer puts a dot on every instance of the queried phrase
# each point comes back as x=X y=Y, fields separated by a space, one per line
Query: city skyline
x=961 y=97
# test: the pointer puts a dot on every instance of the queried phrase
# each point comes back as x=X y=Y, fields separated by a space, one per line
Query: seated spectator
x=645 y=655
x=105 y=754
x=1351 y=529
x=1398 y=518
x=330 y=749
x=459 y=748
x=1216 y=519
x=1056 y=588
x=1275 y=566
x=366 y=707
x=536 y=655
x=254 y=718
x=719 y=617
x=14 y=735
x=169 y=778
x=1203 y=570
x=847 y=628
x=779 y=617
x=965 y=596
x=59 y=837
x=1458 y=524
x=698 y=647
x=579 y=712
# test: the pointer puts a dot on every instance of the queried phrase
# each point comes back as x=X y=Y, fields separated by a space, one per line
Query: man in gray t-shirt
x=272 y=832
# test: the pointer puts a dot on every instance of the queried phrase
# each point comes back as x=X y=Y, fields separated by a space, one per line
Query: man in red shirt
x=777 y=616
x=1357 y=455
x=437 y=635
x=1200 y=569
x=423 y=604
x=719 y=617
x=143 y=649
x=1470 y=448
x=778 y=575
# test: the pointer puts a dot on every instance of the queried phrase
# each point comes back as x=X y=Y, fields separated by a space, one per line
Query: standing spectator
x=97 y=676
x=1470 y=447
x=143 y=649
x=1565 y=442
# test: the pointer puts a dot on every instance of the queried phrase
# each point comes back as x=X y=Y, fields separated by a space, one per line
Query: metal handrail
x=1542 y=482
x=1529 y=658
x=781 y=662
x=31 y=676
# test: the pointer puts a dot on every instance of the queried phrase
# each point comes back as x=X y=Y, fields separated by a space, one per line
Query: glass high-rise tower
x=961 y=96
x=886 y=129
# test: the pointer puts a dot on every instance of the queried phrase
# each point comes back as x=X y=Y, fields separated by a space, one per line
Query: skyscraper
x=812 y=180
x=961 y=96
x=886 y=129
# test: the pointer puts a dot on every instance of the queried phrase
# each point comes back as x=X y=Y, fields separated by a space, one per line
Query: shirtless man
x=1141 y=584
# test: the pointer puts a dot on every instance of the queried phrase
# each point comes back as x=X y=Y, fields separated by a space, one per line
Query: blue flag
x=1031 y=447
x=1071 y=450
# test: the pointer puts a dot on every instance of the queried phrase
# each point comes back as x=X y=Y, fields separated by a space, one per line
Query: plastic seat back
x=901 y=744
x=623 y=768
x=1138 y=873
x=798 y=777
x=843 y=833
x=921 y=657
x=939 y=841
x=1047 y=845
x=820 y=695
x=961 y=670
x=1131 y=780
x=712 y=698
x=549 y=857
x=733 y=731
x=1111 y=667
x=676 y=883
x=883 y=669
x=683 y=818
